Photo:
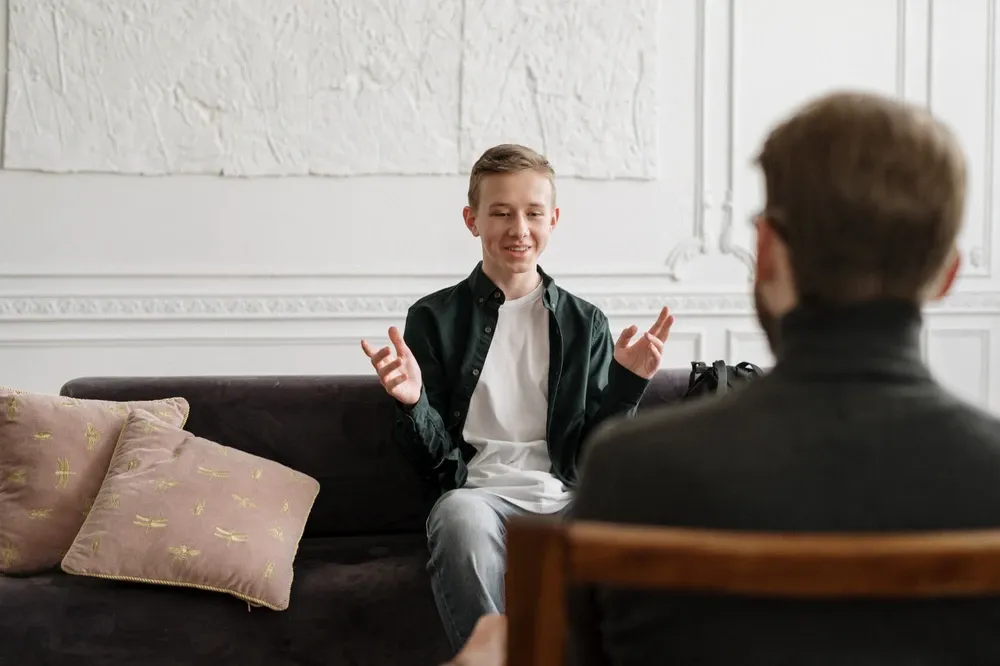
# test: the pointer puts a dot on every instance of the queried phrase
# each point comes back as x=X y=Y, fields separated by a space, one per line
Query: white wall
x=118 y=274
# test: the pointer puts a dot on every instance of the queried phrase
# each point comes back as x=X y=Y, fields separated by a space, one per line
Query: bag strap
x=698 y=368
x=722 y=373
x=748 y=369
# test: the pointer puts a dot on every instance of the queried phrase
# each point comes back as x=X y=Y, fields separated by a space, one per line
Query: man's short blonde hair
x=868 y=193
x=508 y=158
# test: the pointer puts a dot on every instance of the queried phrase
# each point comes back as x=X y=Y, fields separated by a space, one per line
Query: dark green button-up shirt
x=449 y=333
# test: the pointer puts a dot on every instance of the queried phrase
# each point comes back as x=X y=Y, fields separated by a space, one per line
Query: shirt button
x=497 y=294
x=475 y=371
x=488 y=329
x=458 y=413
x=480 y=300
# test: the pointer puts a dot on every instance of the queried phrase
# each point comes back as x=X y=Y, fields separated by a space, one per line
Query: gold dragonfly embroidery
x=13 y=405
x=9 y=556
x=119 y=409
x=44 y=436
x=165 y=484
x=87 y=506
x=95 y=545
x=69 y=402
x=230 y=537
x=256 y=474
x=62 y=472
x=163 y=413
x=284 y=507
x=268 y=569
x=183 y=553
x=132 y=464
x=177 y=453
x=277 y=533
x=149 y=523
x=244 y=502
x=199 y=508
x=214 y=473
x=148 y=428
x=40 y=514
x=18 y=476
x=93 y=436
x=114 y=501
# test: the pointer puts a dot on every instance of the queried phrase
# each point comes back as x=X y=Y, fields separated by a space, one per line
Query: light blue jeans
x=466 y=534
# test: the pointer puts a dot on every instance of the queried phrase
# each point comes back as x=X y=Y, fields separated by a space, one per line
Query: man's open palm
x=642 y=356
x=399 y=371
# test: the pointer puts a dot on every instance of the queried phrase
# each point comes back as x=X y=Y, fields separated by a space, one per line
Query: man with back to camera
x=499 y=379
x=848 y=433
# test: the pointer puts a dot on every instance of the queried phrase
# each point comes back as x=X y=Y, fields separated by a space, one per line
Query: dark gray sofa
x=361 y=595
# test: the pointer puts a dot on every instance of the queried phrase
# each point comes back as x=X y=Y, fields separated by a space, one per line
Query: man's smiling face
x=513 y=220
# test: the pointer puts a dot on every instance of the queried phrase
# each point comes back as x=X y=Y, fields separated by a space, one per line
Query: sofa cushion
x=363 y=600
x=176 y=509
x=54 y=452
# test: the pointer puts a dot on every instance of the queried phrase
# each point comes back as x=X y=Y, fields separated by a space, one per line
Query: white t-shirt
x=508 y=411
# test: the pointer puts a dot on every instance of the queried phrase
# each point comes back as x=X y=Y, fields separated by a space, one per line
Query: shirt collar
x=484 y=290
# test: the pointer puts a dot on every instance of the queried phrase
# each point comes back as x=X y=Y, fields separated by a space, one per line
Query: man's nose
x=519 y=225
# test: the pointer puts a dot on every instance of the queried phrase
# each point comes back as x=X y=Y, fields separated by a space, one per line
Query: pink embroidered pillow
x=54 y=453
x=176 y=509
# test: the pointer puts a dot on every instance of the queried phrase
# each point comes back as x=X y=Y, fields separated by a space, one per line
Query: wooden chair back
x=545 y=556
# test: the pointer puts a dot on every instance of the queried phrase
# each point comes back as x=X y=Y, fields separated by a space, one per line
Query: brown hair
x=508 y=158
x=867 y=192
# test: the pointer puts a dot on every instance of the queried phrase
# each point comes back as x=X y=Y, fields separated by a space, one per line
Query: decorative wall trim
x=958 y=338
x=715 y=84
x=695 y=338
x=697 y=244
x=319 y=306
x=982 y=257
x=143 y=341
x=727 y=245
x=736 y=338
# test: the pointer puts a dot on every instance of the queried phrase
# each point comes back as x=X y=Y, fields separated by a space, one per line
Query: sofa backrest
x=337 y=429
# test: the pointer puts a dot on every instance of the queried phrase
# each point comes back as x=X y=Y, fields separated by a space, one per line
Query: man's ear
x=949 y=275
x=470 y=220
x=766 y=239
x=555 y=218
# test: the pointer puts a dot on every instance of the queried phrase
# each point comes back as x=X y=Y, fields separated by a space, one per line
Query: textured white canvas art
x=329 y=87
x=573 y=78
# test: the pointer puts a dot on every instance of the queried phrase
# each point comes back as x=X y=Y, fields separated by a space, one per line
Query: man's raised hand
x=642 y=357
x=398 y=372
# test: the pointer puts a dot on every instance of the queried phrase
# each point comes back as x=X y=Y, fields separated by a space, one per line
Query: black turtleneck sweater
x=849 y=432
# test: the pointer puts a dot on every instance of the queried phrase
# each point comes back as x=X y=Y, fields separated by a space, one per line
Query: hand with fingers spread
x=642 y=357
x=399 y=371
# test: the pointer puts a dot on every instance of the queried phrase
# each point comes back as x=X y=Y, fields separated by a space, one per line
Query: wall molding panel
x=714 y=100
x=56 y=307
x=961 y=355
x=961 y=42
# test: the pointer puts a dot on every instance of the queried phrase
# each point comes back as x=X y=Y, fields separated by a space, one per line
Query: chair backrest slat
x=787 y=565
x=546 y=556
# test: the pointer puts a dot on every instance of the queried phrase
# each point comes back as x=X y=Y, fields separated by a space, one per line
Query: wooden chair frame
x=546 y=555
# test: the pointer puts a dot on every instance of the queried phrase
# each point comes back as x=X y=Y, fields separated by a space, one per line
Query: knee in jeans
x=462 y=517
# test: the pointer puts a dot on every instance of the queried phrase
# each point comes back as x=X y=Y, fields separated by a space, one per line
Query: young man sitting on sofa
x=499 y=379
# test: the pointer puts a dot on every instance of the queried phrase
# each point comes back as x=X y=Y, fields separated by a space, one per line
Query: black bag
x=719 y=378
